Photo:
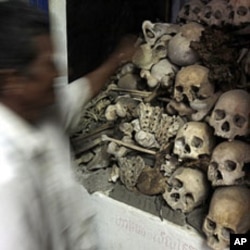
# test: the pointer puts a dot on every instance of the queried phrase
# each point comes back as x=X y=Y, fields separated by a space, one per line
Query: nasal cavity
x=225 y=127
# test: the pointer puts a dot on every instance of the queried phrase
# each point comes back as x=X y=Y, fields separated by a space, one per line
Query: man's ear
x=10 y=82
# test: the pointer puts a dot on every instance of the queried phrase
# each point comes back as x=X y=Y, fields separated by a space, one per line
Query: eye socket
x=242 y=11
x=219 y=114
x=196 y=10
x=225 y=232
x=230 y=165
x=176 y=184
x=239 y=121
x=179 y=88
x=180 y=142
x=217 y=14
x=195 y=89
x=213 y=165
x=208 y=12
x=211 y=225
x=189 y=199
x=197 y=142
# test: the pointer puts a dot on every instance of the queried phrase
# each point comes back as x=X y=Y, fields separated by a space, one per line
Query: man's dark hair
x=19 y=24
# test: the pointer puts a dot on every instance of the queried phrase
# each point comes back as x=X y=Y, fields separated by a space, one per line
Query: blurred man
x=41 y=205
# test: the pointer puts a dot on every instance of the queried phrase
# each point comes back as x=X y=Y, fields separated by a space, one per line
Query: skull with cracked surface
x=229 y=212
x=231 y=114
x=192 y=82
x=239 y=12
x=227 y=163
x=179 y=50
x=187 y=189
x=194 y=140
x=215 y=13
x=190 y=11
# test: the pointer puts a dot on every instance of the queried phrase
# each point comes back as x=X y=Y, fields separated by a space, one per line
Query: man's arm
x=75 y=95
x=122 y=54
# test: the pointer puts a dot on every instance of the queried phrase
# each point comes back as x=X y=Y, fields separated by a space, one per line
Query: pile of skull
x=174 y=131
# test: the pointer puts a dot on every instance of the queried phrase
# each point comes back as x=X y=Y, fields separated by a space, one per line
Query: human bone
x=146 y=56
x=231 y=114
x=110 y=113
x=128 y=81
x=239 y=12
x=168 y=128
x=192 y=82
x=153 y=31
x=190 y=11
x=118 y=150
x=180 y=108
x=215 y=13
x=130 y=170
x=126 y=128
x=194 y=140
x=127 y=68
x=229 y=212
x=227 y=163
x=100 y=160
x=151 y=181
x=179 y=50
x=188 y=189
x=162 y=73
x=157 y=127
x=132 y=92
x=128 y=145
x=149 y=117
x=146 y=139
x=115 y=174
x=203 y=106
x=170 y=164
x=126 y=106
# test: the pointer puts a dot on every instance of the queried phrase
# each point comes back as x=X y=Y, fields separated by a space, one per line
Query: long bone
x=128 y=145
x=131 y=91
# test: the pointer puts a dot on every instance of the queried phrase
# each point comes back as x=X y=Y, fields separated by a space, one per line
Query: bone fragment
x=128 y=145
x=131 y=91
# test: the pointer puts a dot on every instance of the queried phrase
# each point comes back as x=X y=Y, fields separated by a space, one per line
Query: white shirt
x=41 y=205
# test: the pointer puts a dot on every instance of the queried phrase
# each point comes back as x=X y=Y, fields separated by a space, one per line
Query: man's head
x=26 y=59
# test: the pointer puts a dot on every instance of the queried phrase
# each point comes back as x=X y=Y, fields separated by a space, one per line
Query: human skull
x=231 y=114
x=229 y=212
x=215 y=13
x=190 y=11
x=162 y=72
x=227 y=162
x=179 y=51
x=239 y=12
x=153 y=31
x=146 y=56
x=194 y=140
x=192 y=82
x=188 y=188
x=128 y=81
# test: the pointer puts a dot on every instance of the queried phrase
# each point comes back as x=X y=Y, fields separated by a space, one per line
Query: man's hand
x=125 y=49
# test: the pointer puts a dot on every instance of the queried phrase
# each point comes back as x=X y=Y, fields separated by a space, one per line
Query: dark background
x=95 y=26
